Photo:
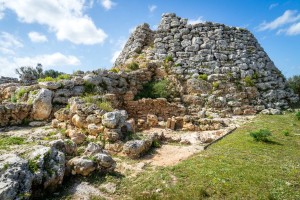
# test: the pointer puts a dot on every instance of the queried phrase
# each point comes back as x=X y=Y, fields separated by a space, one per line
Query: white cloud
x=65 y=18
x=294 y=29
x=131 y=30
x=196 y=21
x=9 y=43
x=107 y=4
x=37 y=37
x=273 y=6
x=152 y=8
x=288 y=17
x=1 y=12
x=119 y=45
x=115 y=55
x=55 y=60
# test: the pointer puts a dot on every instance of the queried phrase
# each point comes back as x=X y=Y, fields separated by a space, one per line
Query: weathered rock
x=136 y=148
x=51 y=85
x=48 y=167
x=15 y=177
x=152 y=120
x=81 y=165
x=42 y=105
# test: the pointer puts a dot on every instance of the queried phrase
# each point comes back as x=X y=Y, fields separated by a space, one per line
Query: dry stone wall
x=220 y=69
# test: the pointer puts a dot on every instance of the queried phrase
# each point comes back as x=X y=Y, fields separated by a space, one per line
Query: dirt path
x=169 y=155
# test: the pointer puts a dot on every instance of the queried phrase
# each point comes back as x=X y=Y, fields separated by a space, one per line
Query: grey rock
x=15 y=177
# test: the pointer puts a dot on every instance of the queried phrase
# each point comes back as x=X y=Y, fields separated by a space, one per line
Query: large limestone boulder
x=115 y=118
x=136 y=148
x=15 y=177
x=48 y=167
x=51 y=85
x=42 y=105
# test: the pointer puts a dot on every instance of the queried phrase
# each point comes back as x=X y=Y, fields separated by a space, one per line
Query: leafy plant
x=33 y=166
x=294 y=84
x=89 y=88
x=298 y=115
x=248 y=81
x=169 y=58
x=261 y=135
x=13 y=98
x=203 y=76
x=286 y=133
x=21 y=92
x=156 y=89
x=46 y=79
x=115 y=70
x=64 y=77
x=100 y=102
x=133 y=66
x=215 y=85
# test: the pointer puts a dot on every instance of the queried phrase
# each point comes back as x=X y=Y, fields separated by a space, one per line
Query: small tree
x=29 y=74
x=294 y=83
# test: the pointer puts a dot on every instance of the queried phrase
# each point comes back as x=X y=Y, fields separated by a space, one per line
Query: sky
x=71 y=35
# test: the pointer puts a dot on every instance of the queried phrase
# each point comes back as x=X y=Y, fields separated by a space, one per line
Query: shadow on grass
x=272 y=142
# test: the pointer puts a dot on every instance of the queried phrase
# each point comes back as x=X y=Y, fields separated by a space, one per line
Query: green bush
x=89 y=88
x=215 y=85
x=101 y=103
x=13 y=98
x=64 y=77
x=105 y=105
x=298 y=115
x=156 y=89
x=33 y=166
x=203 y=77
x=133 y=66
x=294 y=84
x=20 y=93
x=261 y=136
x=169 y=58
x=115 y=70
x=51 y=73
x=286 y=133
x=46 y=79
x=248 y=81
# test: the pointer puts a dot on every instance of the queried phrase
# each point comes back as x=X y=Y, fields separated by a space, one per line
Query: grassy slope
x=234 y=168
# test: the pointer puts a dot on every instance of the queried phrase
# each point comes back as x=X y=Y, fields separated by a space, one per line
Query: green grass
x=59 y=77
x=236 y=167
x=101 y=103
x=5 y=142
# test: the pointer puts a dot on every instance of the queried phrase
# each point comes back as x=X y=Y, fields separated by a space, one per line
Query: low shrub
x=133 y=66
x=261 y=135
x=89 y=88
x=203 y=77
x=215 y=85
x=64 y=77
x=294 y=84
x=115 y=70
x=156 y=89
x=101 y=103
x=298 y=115
x=169 y=58
x=248 y=81
x=286 y=133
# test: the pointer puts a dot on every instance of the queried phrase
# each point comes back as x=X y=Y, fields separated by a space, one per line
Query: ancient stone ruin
x=207 y=74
